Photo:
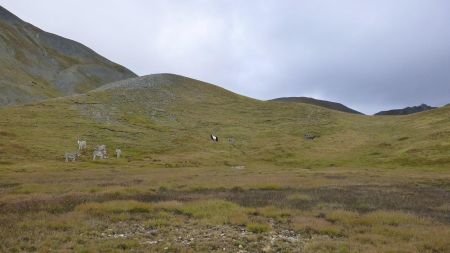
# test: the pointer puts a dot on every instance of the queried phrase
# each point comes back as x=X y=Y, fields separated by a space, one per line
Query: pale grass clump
x=258 y=227
x=444 y=207
x=168 y=205
x=66 y=221
x=158 y=222
x=238 y=218
x=393 y=218
x=269 y=187
x=379 y=231
x=117 y=206
x=215 y=211
x=18 y=198
x=326 y=245
x=274 y=212
x=343 y=216
x=314 y=225
x=32 y=188
x=299 y=197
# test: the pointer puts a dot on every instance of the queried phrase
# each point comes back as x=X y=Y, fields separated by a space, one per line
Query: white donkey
x=118 y=152
x=81 y=144
x=102 y=148
x=72 y=156
x=100 y=151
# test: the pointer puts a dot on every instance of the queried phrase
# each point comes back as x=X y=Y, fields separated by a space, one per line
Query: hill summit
x=407 y=110
x=318 y=102
x=36 y=65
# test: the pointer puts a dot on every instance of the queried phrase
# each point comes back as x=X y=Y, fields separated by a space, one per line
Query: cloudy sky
x=368 y=54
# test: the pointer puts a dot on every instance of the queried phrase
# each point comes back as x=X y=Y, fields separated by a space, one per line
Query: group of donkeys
x=100 y=152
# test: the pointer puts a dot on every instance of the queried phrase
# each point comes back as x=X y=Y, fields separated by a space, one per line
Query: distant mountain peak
x=323 y=103
x=407 y=110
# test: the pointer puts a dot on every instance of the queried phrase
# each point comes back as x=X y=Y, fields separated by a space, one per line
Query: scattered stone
x=267 y=248
x=193 y=236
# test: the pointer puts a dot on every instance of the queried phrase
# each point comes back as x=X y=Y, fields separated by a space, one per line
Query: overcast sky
x=369 y=55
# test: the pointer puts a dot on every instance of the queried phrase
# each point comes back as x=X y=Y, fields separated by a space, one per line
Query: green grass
x=215 y=212
x=367 y=184
x=258 y=228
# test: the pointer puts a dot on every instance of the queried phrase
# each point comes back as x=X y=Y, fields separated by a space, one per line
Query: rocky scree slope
x=36 y=65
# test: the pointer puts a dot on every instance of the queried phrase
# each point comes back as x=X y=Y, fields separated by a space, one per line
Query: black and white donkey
x=214 y=138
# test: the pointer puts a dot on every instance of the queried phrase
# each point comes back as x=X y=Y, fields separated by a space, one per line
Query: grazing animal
x=101 y=148
x=81 y=145
x=72 y=156
x=98 y=153
x=118 y=152
x=214 y=138
x=310 y=136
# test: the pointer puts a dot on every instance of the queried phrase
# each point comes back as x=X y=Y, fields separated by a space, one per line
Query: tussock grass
x=130 y=206
x=299 y=197
x=274 y=212
x=258 y=228
x=215 y=212
x=379 y=231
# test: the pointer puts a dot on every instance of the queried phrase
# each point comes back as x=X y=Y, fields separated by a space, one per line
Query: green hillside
x=171 y=117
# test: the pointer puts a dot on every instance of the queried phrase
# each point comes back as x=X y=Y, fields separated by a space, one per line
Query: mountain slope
x=36 y=65
x=318 y=102
x=166 y=120
x=407 y=110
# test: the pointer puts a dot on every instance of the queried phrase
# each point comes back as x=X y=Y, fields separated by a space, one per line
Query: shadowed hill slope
x=407 y=110
x=166 y=120
x=318 y=102
x=36 y=65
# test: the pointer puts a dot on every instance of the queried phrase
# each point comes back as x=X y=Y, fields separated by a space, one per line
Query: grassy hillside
x=36 y=65
x=318 y=102
x=171 y=117
x=365 y=184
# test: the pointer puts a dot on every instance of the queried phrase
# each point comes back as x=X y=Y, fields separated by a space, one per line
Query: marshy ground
x=108 y=207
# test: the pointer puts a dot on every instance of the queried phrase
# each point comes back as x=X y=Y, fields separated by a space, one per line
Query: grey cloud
x=370 y=55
